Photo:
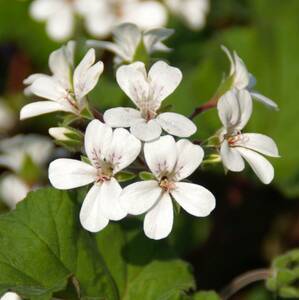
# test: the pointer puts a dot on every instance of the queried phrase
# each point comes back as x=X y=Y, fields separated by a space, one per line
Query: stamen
x=167 y=185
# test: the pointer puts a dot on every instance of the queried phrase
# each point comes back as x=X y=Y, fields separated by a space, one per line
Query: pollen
x=166 y=184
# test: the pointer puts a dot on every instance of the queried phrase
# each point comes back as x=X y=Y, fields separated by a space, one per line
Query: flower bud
x=67 y=137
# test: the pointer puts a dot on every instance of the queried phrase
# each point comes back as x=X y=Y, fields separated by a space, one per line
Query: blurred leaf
x=284 y=280
x=16 y=26
x=206 y=295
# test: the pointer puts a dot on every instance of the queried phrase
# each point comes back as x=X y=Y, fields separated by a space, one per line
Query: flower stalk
x=244 y=280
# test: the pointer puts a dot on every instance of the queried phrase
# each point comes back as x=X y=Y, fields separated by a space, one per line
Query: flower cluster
x=100 y=17
x=157 y=141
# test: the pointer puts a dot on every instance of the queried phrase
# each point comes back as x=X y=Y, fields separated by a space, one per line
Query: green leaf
x=49 y=247
x=146 y=175
x=143 y=268
x=206 y=295
x=45 y=252
x=125 y=176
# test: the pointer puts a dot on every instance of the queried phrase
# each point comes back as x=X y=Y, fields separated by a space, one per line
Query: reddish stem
x=204 y=107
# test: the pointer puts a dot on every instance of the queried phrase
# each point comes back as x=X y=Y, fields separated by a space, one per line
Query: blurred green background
x=252 y=223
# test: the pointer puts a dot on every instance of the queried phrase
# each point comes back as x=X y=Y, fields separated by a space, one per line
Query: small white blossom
x=58 y=14
x=109 y=152
x=66 y=89
x=13 y=151
x=12 y=190
x=147 y=91
x=100 y=16
x=242 y=79
x=234 y=109
x=128 y=38
x=193 y=12
x=10 y=296
x=170 y=163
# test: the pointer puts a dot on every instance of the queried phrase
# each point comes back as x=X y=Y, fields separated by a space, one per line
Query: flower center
x=70 y=98
x=148 y=115
x=166 y=184
x=105 y=172
x=232 y=139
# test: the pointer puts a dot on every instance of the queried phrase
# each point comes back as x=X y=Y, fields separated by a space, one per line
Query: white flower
x=234 y=109
x=59 y=15
x=12 y=190
x=170 y=163
x=193 y=12
x=66 y=89
x=10 y=296
x=242 y=79
x=102 y=16
x=147 y=91
x=7 y=117
x=14 y=150
x=109 y=152
x=128 y=37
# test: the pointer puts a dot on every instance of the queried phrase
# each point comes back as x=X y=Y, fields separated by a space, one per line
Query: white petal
x=132 y=80
x=194 y=198
x=127 y=36
x=164 y=79
x=31 y=78
x=260 y=165
x=121 y=116
x=100 y=24
x=122 y=150
x=39 y=108
x=241 y=76
x=161 y=155
x=48 y=88
x=146 y=15
x=159 y=220
x=91 y=215
x=67 y=173
x=235 y=109
x=139 y=197
x=98 y=137
x=231 y=158
x=189 y=158
x=11 y=296
x=231 y=60
x=259 y=143
x=265 y=100
x=12 y=190
x=176 y=124
x=112 y=47
x=146 y=131
x=110 y=201
x=43 y=9
x=60 y=66
x=153 y=39
x=60 y=24
x=86 y=74
x=245 y=104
